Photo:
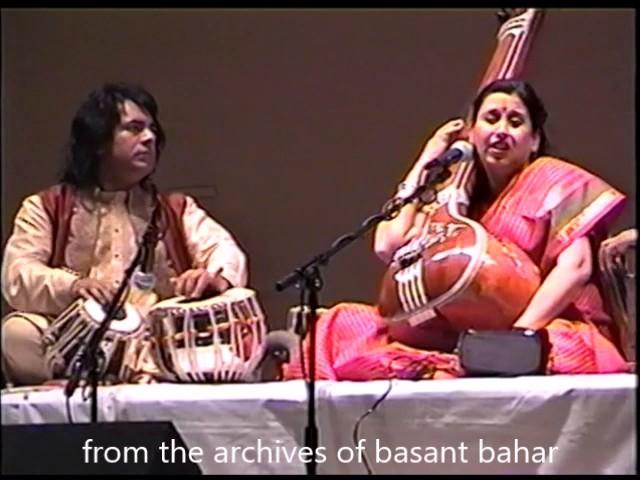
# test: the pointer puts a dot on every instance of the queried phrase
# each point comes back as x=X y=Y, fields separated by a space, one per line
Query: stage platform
x=565 y=424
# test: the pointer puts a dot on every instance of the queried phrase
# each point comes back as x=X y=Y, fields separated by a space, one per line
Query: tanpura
x=455 y=275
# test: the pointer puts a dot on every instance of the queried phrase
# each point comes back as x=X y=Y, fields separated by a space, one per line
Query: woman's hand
x=572 y=271
x=389 y=236
x=444 y=136
x=441 y=139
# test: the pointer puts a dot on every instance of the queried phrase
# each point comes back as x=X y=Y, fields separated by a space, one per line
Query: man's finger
x=201 y=283
x=190 y=283
x=96 y=294
x=178 y=286
x=221 y=284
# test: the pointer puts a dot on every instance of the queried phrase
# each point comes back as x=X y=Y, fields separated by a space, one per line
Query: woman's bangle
x=405 y=189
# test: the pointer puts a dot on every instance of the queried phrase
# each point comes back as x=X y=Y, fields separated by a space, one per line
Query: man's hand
x=91 y=288
x=196 y=282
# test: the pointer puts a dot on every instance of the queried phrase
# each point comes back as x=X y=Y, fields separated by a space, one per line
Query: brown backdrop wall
x=293 y=126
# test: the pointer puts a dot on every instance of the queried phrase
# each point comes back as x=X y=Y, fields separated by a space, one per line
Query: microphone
x=282 y=342
x=143 y=278
x=143 y=281
x=460 y=149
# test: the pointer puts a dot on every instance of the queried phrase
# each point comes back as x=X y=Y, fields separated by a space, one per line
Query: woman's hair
x=93 y=126
x=529 y=97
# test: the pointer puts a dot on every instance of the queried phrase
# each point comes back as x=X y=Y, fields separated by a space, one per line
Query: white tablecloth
x=558 y=424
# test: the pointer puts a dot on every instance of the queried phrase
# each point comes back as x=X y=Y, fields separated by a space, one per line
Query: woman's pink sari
x=544 y=208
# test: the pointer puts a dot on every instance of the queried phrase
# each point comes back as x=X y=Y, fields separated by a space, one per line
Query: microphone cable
x=416 y=371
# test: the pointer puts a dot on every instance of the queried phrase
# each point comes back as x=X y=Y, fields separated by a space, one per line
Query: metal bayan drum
x=220 y=339
x=123 y=344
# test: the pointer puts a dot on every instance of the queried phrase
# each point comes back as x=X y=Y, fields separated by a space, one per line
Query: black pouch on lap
x=503 y=353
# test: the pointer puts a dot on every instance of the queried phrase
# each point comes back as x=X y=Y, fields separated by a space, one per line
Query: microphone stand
x=87 y=363
x=308 y=279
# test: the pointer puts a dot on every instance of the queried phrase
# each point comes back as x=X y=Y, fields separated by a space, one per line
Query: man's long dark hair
x=93 y=126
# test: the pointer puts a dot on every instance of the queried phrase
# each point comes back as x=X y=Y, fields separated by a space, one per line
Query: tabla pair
x=220 y=339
